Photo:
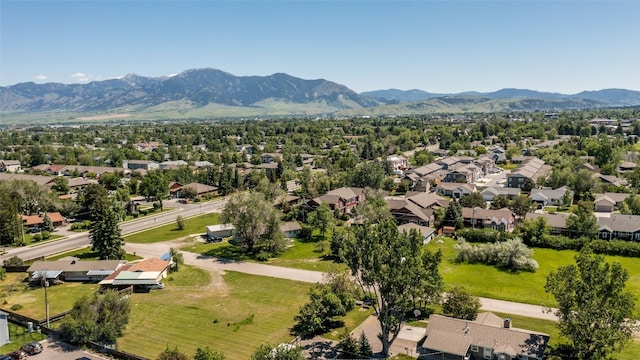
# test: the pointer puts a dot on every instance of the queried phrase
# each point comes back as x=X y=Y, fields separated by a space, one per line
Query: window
x=638 y=236
x=503 y=357
x=474 y=348
x=487 y=353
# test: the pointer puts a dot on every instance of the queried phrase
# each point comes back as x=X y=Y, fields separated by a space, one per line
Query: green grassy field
x=18 y=336
x=234 y=317
x=194 y=225
x=87 y=254
x=489 y=281
x=15 y=292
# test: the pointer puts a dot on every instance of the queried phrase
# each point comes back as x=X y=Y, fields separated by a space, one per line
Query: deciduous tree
x=594 y=308
x=250 y=214
x=460 y=304
x=386 y=264
x=155 y=186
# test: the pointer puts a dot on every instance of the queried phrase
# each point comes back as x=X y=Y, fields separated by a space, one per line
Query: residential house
x=588 y=166
x=557 y=222
x=193 y=188
x=203 y=164
x=424 y=170
x=486 y=164
x=427 y=233
x=533 y=169
x=502 y=219
x=487 y=337
x=609 y=202
x=624 y=166
x=398 y=163
x=492 y=191
x=497 y=153
x=446 y=162
x=462 y=173
x=611 y=180
x=552 y=197
x=290 y=229
x=405 y=211
x=147 y=146
x=11 y=166
x=619 y=226
x=140 y=165
x=426 y=200
x=455 y=190
x=219 y=230
x=37 y=220
x=77 y=183
x=72 y=269
x=38 y=179
x=165 y=165
x=342 y=199
x=270 y=157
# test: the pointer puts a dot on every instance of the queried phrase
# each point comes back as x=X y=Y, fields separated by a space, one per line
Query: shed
x=220 y=230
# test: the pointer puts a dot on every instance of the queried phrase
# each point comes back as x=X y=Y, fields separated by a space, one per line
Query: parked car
x=32 y=348
x=18 y=355
x=6 y=357
x=211 y=239
x=34 y=229
x=157 y=286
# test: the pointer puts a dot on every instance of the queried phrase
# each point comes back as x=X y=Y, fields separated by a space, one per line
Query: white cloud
x=81 y=77
x=40 y=77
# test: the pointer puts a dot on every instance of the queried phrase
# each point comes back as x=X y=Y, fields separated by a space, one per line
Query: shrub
x=13 y=261
x=263 y=256
x=46 y=235
x=483 y=235
x=16 y=307
x=615 y=247
x=180 y=222
x=511 y=254
x=37 y=237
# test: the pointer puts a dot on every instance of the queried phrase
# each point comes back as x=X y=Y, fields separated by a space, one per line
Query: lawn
x=87 y=254
x=304 y=254
x=194 y=225
x=233 y=317
x=15 y=293
x=28 y=239
x=350 y=321
x=489 y=281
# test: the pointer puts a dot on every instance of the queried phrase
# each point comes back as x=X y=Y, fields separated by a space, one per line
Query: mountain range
x=210 y=92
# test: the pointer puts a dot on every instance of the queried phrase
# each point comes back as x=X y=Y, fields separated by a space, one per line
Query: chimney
x=507 y=323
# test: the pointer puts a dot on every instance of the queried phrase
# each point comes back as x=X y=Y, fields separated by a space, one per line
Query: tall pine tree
x=105 y=233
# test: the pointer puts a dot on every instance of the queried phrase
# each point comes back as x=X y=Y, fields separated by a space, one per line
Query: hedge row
x=605 y=247
x=483 y=235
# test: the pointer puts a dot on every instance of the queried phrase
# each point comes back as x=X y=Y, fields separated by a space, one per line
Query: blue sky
x=436 y=46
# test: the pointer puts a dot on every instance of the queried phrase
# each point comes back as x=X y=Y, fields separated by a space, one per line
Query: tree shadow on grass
x=230 y=252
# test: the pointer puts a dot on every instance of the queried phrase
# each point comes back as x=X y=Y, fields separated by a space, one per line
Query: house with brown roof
x=342 y=199
x=502 y=219
x=147 y=272
x=36 y=220
x=488 y=337
x=198 y=189
x=610 y=180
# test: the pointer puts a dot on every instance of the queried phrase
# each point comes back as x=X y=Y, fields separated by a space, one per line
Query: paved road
x=78 y=240
x=54 y=350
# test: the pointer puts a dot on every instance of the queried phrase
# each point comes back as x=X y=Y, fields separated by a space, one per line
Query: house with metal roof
x=72 y=269
x=488 y=337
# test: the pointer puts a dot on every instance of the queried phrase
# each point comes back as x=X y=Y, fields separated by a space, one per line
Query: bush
x=558 y=242
x=16 y=307
x=263 y=256
x=46 y=235
x=37 y=237
x=511 y=254
x=13 y=261
x=483 y=235
x=615 y=247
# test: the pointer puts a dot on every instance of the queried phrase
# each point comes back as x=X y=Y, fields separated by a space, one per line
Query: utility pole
x=46 y=297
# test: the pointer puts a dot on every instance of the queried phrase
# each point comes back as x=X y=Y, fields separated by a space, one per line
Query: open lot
x=233 y=314
x=491 y=282
x=194 y=225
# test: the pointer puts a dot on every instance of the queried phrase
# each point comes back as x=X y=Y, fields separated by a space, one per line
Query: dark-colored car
x=32 y=348
x=6 y=357
x=18 y=355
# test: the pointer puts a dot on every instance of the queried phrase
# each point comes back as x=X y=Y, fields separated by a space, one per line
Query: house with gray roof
x=455 y=190
x=553 y=197
x=491 y=192
x=501 y=219
x=72 y=269
x=488 y=337
x=533 y=168
x=556 y=221
x=609 y=202
x=619 y=226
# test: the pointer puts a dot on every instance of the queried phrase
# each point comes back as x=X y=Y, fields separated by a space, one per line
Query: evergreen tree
x=105 y=233
x=47 y=225
x=453 y=215
x=364 y=348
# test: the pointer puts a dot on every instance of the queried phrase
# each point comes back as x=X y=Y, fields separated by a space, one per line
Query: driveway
x=55 y=350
